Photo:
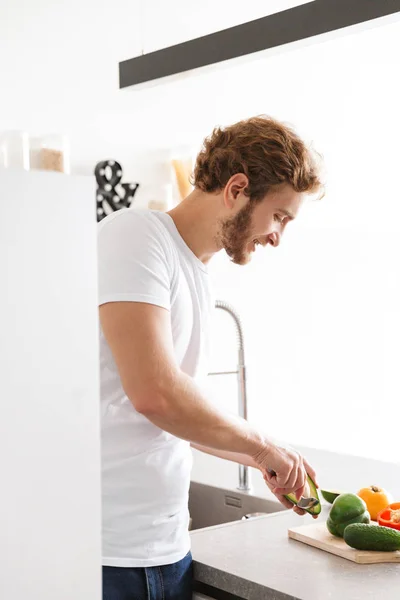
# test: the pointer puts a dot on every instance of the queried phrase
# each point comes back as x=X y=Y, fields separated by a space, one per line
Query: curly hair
x=268 y=152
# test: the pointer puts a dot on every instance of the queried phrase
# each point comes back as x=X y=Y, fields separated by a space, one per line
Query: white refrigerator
x=49 y=389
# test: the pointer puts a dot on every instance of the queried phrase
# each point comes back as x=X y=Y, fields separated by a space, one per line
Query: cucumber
x=372 y=537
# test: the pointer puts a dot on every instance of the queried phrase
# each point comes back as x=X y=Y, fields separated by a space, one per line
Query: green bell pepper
x=346 y=510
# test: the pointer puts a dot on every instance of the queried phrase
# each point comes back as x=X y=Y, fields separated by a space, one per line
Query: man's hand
x=284 y=500
x=285 y=472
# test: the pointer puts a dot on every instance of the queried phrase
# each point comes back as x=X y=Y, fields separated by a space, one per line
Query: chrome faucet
x=244 y=475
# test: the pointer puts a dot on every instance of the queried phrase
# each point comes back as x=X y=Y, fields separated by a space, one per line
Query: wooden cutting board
x=318 y=536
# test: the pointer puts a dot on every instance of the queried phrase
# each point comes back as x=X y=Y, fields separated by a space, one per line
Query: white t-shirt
x=145 y=470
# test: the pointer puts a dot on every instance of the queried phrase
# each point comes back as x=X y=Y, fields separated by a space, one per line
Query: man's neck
x=197 y=220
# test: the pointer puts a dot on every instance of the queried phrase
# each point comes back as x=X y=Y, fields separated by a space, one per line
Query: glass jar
x=182 y=165
x=50 y=153
x=14 y=150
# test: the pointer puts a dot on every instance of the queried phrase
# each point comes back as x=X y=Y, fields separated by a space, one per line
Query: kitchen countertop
x=254 y=559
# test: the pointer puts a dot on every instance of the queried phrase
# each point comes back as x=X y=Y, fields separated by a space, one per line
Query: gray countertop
x=254 y=560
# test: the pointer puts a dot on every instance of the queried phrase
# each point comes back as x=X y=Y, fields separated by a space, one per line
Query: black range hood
x=301 y=22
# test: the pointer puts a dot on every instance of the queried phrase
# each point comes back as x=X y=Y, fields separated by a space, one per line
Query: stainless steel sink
x=209 y=505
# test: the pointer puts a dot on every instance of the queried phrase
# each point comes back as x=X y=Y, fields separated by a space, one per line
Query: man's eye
x=279 y=219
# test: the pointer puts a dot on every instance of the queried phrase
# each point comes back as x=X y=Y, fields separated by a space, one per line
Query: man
x=250 y=181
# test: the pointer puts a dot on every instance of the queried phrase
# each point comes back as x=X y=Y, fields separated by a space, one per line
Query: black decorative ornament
x=111 y=194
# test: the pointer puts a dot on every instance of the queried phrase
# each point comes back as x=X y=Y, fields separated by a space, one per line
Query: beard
x=235 y=235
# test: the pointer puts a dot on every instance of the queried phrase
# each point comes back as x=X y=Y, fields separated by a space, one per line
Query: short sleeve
x=133 y=260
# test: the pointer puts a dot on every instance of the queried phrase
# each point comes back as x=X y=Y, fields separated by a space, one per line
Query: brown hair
x=267 y=151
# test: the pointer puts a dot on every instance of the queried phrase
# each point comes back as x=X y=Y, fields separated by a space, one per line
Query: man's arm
x=241 y=459
x=140 y=339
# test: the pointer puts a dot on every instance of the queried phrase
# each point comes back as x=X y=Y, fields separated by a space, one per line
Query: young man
x=250 y=181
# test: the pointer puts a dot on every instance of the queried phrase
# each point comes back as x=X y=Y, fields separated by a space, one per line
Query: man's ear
x=235 y=186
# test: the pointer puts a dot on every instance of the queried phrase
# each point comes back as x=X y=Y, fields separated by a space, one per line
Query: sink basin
x=209 y=505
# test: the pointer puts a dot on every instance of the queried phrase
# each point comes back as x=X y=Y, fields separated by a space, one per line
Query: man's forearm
x=182 y=409
x=241 y=459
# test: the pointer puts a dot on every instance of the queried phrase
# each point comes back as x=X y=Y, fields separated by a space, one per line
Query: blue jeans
x=168 y=582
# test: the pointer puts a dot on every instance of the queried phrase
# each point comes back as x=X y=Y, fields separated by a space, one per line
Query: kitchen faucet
x=244 y=475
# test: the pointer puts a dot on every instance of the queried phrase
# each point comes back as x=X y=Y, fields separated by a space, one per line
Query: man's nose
x=274 y=239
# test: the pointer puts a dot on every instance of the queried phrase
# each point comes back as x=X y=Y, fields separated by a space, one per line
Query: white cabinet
x=49 y=388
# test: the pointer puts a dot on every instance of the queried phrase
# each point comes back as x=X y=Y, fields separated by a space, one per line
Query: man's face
x=259 y=223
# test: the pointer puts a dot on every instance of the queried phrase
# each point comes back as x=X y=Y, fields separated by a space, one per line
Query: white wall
x=59 y=64
x=321 y=313
x=49 y=389
x=59 y=73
